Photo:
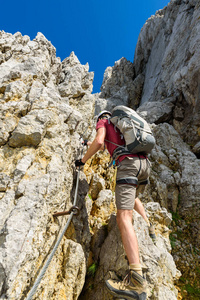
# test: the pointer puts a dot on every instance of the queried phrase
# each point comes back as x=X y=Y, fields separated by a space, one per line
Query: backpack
x=135 y=130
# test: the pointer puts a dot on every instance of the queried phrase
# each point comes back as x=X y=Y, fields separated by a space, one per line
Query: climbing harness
x=74 y=210
x=133 y=180
x=128 y=180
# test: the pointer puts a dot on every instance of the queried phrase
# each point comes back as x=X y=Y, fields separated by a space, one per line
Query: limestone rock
x=75 y=270
x=113 y=262
x=116 y=77
x=120 y=98
x=117 y=87
x=76 y=80
x=7 y=125
x=97 y=184
x=171 y=160
x=196 y=149
x=176 y=187
x=46 y=107
x=40 y=138
x=165 y=86
x=171 y=71
x=162 y=73
x=4 y=180
x=177 y=174
x=29 y=132
x=156 y=111
x=105 y=204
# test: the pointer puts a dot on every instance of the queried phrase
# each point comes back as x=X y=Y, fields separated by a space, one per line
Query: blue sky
x=100 y=32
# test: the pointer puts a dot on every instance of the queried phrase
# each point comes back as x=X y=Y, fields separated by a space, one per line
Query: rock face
x=156 y=259
x=39 y=139
x=175 y=185
x=171 y=71
x=165 y=70
x=165 y=89
x=46 y=107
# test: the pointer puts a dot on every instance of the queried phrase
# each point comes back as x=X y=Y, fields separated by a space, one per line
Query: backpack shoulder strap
x=112 y=143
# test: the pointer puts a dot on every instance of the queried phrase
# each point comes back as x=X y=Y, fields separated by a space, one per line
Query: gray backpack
x=135 y=130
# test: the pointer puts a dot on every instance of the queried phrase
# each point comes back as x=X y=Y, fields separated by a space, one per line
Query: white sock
x=137 y=268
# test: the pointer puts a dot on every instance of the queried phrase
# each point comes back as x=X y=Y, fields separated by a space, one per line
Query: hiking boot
x=152 y=233
x=132 y=287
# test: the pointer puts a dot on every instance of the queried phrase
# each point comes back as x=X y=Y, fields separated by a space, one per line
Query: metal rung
x=74 y=209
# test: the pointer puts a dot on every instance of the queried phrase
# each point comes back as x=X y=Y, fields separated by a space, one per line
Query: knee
x=124 y=218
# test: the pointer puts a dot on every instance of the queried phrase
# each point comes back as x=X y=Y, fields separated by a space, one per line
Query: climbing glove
x=85 y=142
x=79 y=163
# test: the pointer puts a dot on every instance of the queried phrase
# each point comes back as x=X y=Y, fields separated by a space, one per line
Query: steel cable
x=41 y=275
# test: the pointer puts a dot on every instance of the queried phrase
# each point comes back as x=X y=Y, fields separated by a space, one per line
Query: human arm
x=96 y=145
x=86 y=143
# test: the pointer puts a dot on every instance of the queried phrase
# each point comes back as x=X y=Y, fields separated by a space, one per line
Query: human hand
x=79 y=163
x=85 y=142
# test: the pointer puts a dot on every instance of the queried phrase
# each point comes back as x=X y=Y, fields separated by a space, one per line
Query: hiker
x=129 y=166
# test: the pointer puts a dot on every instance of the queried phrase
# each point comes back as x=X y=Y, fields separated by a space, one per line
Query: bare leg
x=129 y=239
x=140 y=209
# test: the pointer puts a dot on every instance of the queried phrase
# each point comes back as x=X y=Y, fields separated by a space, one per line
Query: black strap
x=140 y=166
x=128 y=180
x=119 y=151
x=144 y=182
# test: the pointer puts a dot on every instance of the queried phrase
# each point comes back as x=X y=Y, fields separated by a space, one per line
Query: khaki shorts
x=125 y=193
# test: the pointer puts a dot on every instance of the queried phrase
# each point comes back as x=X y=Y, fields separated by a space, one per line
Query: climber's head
x=104 y=114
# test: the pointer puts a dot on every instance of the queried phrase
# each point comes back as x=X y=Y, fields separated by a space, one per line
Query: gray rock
x=22 y=167
x=113 y=262
x=97 y=184
x=196 y=148
x=29 y=132
x=76 y=79
x=104 y=198
x=156 y=112
x=46 y=107
x=40 y=137
x=4 y=181
x=117 y=77
x=7 y=125
x=172 y=71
